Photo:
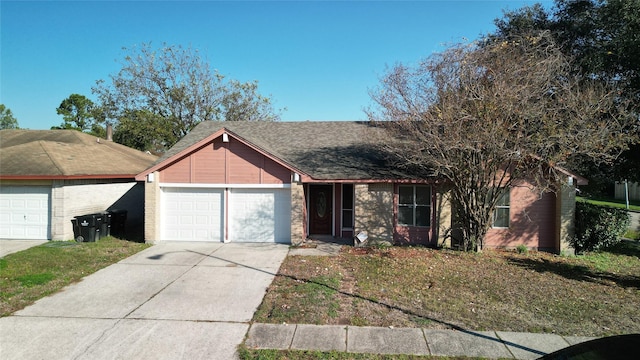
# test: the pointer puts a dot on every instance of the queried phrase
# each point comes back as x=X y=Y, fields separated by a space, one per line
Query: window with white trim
x=347 y=206
x=414 y=205
x=501 y=212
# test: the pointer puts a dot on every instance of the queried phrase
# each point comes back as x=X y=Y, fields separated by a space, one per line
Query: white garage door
x=24 y=212
x=191 y=214
x=260 y=215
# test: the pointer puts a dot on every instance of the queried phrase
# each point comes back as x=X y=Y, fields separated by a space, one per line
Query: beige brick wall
x=565 y=217
x=443 y=215
x=58 y=231
x=152 y=210
x=297 y=214
x=70 y=198
x=374 y=211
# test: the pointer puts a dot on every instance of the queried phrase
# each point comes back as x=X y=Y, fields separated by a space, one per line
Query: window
x=501 y=213
x=414 y=205
x=347 y=206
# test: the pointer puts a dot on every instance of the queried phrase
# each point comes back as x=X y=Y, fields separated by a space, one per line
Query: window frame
x=343 y=209
x=415 y=206
x=501 y=206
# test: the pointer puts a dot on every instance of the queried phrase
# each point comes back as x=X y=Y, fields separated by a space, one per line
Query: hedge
x=598 y=227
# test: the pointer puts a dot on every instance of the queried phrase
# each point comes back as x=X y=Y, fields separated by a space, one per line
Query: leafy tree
x=79 y=113
x=602 y=37
x=486 y=117
x=143 y=130
x=241 y=101
x=7 y=120
x=177 y=85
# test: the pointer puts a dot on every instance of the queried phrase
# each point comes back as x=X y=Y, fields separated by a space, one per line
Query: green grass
x=632 y=234
x=251 y=354
x=43 y=270
x=30 y=280
x=614 y=203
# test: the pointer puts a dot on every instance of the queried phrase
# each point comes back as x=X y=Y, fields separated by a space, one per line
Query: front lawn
x=34 y=273
x=614 y=203
x=250 y=354
x=591 y=295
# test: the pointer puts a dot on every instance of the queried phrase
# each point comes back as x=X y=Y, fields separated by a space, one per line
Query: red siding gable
x=221 y=162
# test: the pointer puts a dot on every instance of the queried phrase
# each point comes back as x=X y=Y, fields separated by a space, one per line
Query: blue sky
x=316 y=58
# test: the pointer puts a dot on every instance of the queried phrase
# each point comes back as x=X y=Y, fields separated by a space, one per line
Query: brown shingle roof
x=324 y=150
x=66 y=153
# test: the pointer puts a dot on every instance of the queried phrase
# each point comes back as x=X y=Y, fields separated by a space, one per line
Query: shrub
x=522 y=249
x=598 y=227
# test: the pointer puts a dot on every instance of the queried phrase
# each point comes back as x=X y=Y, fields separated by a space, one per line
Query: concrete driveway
x=171 y=301
x=13 y=246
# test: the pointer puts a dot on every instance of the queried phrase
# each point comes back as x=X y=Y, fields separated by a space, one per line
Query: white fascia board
x=223 y=186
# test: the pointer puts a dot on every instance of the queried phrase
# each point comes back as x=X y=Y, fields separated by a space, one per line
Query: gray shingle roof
x=325 y=150
x=60 y=153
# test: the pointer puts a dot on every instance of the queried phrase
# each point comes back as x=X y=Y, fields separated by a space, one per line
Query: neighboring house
x=288 y=181
x=49 y=176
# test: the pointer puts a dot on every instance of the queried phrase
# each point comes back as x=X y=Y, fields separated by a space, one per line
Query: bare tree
x=176 y=85
x=485 y=117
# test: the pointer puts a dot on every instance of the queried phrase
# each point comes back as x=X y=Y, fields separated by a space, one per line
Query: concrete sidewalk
x=408 y=341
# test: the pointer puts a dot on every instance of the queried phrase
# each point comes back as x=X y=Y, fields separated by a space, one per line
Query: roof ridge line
x=53 y=161
x=262 y=149
x=120 y=149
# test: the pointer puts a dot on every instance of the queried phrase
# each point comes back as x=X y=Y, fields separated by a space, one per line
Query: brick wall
x=443 y=215
x=531 y=221
x=298 y=224
x=565 y=219
x=151 y=210
x=70 y=198
x=374 y=210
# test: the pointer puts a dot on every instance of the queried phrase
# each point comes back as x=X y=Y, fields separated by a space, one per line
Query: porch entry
x=320 y=209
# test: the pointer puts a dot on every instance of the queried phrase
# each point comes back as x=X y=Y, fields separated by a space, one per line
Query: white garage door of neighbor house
x=260 y=215
x=191 y=214
x=24 y=212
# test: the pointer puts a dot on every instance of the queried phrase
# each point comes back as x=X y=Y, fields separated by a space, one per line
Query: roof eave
x=308 y=179
x=68 y=177
x=579 y=180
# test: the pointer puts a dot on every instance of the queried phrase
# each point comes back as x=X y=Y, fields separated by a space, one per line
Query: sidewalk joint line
x=424 y=336
x=346 y=338
x=295 y=330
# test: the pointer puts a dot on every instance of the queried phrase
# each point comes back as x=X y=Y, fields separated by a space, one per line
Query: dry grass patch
x=34 y=273
x=251 y=354
x=592 y=295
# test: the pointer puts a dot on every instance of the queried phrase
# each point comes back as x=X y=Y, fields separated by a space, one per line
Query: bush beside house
x=598 y=227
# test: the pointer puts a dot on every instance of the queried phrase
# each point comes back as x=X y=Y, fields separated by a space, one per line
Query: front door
x=320 y=209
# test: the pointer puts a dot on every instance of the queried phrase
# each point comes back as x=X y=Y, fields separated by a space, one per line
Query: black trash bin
x=76 y=228
x=102 y=226
x=118 y=223
x=106 y=228
x=85 y=228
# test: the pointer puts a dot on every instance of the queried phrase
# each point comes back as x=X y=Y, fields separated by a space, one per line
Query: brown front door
x=320 y=209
